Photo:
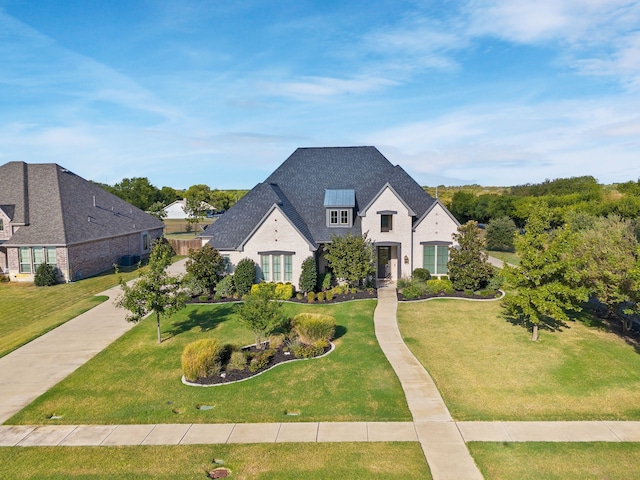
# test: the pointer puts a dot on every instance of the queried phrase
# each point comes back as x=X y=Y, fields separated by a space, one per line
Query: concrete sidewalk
x=431 y=434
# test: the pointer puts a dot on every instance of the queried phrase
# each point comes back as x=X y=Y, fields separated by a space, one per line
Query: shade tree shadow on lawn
x=204 y=320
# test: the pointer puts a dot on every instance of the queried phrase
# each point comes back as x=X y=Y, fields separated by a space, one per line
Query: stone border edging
x=191 y=384
x=502 y=295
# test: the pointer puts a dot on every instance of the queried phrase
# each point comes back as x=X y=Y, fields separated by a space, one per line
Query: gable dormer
x=339 y=207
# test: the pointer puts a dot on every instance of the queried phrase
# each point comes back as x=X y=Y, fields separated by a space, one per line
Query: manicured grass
x=28 y=311
x=135 y=380
x=507 y=257
x=489 y=369
x=561 y=461
x=273 y=461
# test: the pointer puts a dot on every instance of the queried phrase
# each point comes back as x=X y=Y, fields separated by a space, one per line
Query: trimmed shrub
x=276 y=340
x=311 y=297
x=268 y=288
x=201 y=359
x=203 y=298
x=309 y=275
x=299 y=296
x=329 y=295
x=312 y=327
x=284 y=291
x=421 y=274
x=443 y=285
x=244 y=276
x=324 y=282
x=46 y=275
x=238 y=361
x=226 y=287
x=320 y=296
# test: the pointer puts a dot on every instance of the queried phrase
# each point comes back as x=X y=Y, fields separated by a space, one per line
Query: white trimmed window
x=32 y=257
x=435 y=259
x=339 y=217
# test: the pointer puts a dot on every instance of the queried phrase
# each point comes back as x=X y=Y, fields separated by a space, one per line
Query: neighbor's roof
x=301 y=185
x=58 y=207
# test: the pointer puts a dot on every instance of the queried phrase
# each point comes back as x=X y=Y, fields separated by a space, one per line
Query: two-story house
x=321 y=192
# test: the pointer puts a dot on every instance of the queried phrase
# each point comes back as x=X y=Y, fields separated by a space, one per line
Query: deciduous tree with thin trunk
x=155 y=291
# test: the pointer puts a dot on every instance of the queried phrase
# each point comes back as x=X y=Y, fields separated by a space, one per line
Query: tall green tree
x=607 y=253
x=206 y=266
x=138 y=191
x=547 y=280
x=468 y=266
x=244 y=276
x=155 y=291
x=501 y=235
x=351 y=257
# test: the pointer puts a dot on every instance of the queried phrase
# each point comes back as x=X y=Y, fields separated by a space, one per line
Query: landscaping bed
x=337 y=298
x=281 y=355
x=472 y=296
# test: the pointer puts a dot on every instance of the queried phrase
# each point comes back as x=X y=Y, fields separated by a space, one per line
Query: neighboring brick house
x=50 y=215
x=320 y=192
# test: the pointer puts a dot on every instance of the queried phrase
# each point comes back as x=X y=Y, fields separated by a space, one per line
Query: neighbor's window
x=265 y=260
x=50 y=255
x=25 y=259
x=145 y=242
x=386 y=223
x=38 y=257
x=288 y=268
x=1 y=224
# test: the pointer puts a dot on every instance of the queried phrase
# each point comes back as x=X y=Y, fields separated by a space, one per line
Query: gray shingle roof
x=62 y=208
x=302 y=181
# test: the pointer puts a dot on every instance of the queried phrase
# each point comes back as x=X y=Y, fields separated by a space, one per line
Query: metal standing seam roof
x=340 y=198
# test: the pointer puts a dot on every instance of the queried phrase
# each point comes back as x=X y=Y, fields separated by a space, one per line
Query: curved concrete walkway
x=441 y=441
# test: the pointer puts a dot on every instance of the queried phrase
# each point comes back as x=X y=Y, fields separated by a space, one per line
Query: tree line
x=564 y=197
x=140 y=192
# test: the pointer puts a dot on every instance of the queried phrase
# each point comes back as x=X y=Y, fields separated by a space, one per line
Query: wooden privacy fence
x=182 y=246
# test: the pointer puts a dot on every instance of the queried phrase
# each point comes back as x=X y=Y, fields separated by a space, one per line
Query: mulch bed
x=280 y=356
x=360 y=295
x=402 y=298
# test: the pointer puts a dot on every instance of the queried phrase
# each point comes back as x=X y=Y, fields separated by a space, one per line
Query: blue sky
x=456 y=92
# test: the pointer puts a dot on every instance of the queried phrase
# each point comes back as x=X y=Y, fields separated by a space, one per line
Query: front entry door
x=384 y=255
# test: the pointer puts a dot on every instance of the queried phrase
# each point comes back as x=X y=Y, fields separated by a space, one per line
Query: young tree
x=206 y=267
x=261 y=314
x=547 y=279
x=308 y=276
x=501 y=235
x=197 y=198
x=155 y=291
x=351 y=257
x=468 y=267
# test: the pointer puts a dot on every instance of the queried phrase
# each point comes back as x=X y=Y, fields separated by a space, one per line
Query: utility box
x=129 y=260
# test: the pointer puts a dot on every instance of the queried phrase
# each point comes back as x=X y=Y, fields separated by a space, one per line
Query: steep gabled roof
x=62 y=208
x=300 y=184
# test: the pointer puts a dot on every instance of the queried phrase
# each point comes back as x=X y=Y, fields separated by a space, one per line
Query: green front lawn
x=293 y=461
x=135 y=380
x=489 y=369
x=28 y=311
x=560 y=461
x=507 y=257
